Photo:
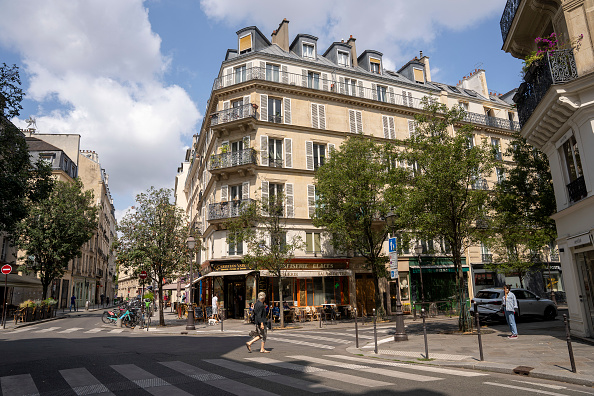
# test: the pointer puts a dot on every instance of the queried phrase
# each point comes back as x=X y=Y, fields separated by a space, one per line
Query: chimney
x=351 y=42
x=425 y=60
x=280 y=36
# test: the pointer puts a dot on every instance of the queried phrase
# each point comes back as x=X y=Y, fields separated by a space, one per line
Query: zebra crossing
x=71 y=330
x=286 y=374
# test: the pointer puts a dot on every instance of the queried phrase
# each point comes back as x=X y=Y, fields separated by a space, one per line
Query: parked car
x=529 y=304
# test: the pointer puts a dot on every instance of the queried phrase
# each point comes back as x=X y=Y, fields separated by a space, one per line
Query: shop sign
x=230 y=267
x=315 y=266
x=583 y=239
x=307 y=274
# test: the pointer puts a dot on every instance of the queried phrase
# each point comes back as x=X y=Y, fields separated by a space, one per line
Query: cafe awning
x=227 y=273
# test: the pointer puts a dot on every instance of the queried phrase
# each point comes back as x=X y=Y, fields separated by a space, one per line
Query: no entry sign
x=142 y=275
x=6 y=269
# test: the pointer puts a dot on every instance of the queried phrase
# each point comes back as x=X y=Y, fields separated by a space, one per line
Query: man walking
x=510 y=304
x=73 y=303
x=261 y=323
x=215 y=307
x=103 y=300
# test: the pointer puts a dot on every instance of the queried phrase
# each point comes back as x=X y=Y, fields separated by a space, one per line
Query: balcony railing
x=236 y=158
x=508 y=17
x=487 y=257
x=226 y=210
x=232 y=114
x=556 y=67
x=480 y=184
x=277 y=119
x=275 y=163
x=324 y=83
x=577 y=189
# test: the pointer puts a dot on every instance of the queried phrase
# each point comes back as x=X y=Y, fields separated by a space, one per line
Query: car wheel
x=550 y=313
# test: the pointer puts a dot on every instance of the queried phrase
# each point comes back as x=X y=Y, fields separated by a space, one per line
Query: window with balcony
x=275 y=153
x=313 y=242
x=381 y=93
x=350 y=87
x=275 y=110
x=240 y=74
x=309 y=50
x=573 y=169
x=486 y=256
x=272 y=72
x=319 y=155
x=313 y=80
x=343 y=58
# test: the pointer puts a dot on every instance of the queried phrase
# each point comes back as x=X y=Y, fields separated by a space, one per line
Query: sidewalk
x=60 y=314
x=540 y=346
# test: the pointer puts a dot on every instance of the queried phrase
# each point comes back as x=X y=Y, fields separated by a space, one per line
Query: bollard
x=425 y=333
x=320 y=317
x=356 y=330
x=569 y=347
x=222 y=316
x=87 y=306
x=414 y=309
x=478 y=330
x=119 y=322
x=374 y=331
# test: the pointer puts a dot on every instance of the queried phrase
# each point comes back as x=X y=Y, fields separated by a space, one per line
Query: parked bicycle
x=129 y=317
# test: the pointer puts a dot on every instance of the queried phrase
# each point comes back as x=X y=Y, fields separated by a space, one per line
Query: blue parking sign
x=392 y=245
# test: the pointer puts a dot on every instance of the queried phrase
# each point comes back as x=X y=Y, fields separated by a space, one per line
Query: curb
x=38 y=322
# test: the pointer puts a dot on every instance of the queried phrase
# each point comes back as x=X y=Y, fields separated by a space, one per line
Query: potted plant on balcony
x=545 y=45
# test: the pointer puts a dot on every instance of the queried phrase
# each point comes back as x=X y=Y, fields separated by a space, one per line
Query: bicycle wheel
x=106 y=318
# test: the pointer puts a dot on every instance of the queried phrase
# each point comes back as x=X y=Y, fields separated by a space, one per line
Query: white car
x=529 y=304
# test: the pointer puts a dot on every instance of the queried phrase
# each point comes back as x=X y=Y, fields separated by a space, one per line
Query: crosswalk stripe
x=147 y=381
x=382 y=341
x=215 y=380
x=411 y=366
x=71 y=330
x=340 y=377
x=116 y=331
x=388 y=373
x=83 y=382
x=28 y=328
x=270 y=376
x=540 y=391
x=367 y=337
x=95 y=330
x=47 y=330
x=299 y=342
x=337 y=340
x=18 y=385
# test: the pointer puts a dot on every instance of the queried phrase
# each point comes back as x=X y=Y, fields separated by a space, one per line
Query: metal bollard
x=423 y=315
x=478 y=330
x=320 y=316
x=569 y=347
x=374 y=331
x=119 y=322
x=356 y=330
x=222 y=317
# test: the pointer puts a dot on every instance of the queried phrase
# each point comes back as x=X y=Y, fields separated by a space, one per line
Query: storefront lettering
x=230 y=267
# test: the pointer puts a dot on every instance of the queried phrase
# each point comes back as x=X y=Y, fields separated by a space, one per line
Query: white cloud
x=389 y=26
x=103 y=63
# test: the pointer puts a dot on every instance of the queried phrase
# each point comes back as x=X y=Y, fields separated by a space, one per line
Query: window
x=275 y=154
x=236 y=111
x=489 y=112
x=275 y=191
x=510 y=115
x=350 y=86
x=237 y=146
x=240 y=74
x=464 y=105
x=381 y=93
x=235 y=192
x=309 y=50
x=486 y=279
x=313 y=242
x=343 y=58
x=235 y=245
x=274 y=110
x=355 y=121
x=313 y=80
x=471 y=141
x=374 y=65
x=319 y=154
x=272 y=72
x=245 y=44
x=48 y=158
x=419 y=75
x=495 y=143
x=279 y=239
x=407 y=99
x=573 y=162
x=500 y=175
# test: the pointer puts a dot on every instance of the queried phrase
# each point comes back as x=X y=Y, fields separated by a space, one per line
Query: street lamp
x=191 y=242
x=546 y=250
x=400 y=334
x=418 y=251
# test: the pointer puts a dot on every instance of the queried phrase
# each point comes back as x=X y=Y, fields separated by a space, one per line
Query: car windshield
x=488 y=295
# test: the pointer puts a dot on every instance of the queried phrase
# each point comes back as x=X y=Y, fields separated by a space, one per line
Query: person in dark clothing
x=73 y=303
x=260 y=319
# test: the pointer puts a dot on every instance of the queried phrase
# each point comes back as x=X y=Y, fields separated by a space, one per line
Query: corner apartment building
x=277 y=109
x=556 y=113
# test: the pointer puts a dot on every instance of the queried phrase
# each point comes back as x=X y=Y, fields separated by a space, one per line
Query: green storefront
x=439 y=278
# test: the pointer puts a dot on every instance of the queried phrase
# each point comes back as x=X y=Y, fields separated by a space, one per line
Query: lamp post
x=546 y=250
x=191 y=242
x=400 y=334
x=418 y=251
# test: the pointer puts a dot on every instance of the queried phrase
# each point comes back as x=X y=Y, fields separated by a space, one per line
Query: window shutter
x=264 y=150
x=322 y=116
x=410 y=100
x=290 y=212
x=224 y=193
x=315 y=123
x=385 y=125
x=285 y=74
x=391 y=128
x=229 y=77
x=374 y=91
x=246 y=142
x=411 y=128
x=248 y=71
x=361 y=91
x=288 y=153
x=246 y=106
x=311 y=200
x=324 y=81
x=309 y=162
x=352 y=121
x=287 y=110
x=263 y=107
x=203 y=220
x=342 y=87
x=304 y=78
x=391 y=92
x=245 y=190
x=226 y=105
x=264 y=194
x=359 y=118
x=262 y=70
x=331 y=148
x=404 y=100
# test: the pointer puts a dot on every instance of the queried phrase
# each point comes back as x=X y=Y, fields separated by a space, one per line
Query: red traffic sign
x=142 y=275
x=6 y=269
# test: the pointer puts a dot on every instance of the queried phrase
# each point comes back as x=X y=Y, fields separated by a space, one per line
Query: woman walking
x=261 y=325
x=510 y=304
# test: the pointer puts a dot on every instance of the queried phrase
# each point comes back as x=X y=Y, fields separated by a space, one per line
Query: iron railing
x=275 y=163
x=226 y=210
x=277 y=119
x=509 y=12
x=487 y=257
x=232 y=114
x=235 y=158
x=577 y=189
x=483 y=119
x=480 y=184
x=556 y=67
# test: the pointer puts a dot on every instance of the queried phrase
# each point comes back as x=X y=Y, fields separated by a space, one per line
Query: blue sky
x=132 y=77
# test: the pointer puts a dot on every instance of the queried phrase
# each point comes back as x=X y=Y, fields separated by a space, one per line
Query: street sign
x=142 y=275
x=6 y=269
x=393 y=265
x=392 y=245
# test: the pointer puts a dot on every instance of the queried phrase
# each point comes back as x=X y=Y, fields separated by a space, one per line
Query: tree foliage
x=55 y=230
x=152 y=238
x=11 y=93
x=262 y=225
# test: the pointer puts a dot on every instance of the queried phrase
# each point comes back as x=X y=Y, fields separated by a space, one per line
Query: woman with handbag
x=261 y=323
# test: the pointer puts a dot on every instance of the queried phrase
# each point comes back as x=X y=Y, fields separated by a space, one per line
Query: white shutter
x=264 y=150
x=229 y=76
x=391 y=92
x=203 y=220
x=288 y=153
x=263 y=107
x=287 y=110
x=311 y=200
x=264 y=194
x=224 y=193
x=324 y=81
x=331 y=148
x=309 y=161
x=246 y=107
x=304 y=78
x=404 y=101
x=385 y=125
x=322 y=116
x=315 y=123
x=290 y=212
x=391 y=128
x=374 y=91
x=245 y=190
x=411 y=128
x=359 y=118
x=410 y=100
x=352 y=121
x=262 y=70
x=341 y=83
x=226 y=105
x=285 y=74
x=361 y=90
x=248 y=74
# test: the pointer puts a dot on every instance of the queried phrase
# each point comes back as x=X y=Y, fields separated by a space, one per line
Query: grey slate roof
x=39 y=145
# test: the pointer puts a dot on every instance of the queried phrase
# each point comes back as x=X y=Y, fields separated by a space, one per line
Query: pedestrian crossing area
x=67 y=331
x=331 y=373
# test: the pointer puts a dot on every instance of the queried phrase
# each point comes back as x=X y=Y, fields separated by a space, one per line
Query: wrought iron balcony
x=275 y=163
x=508 y=17
x=236 y=158
x=226 y=210
x=482 y=119
x=480 y=184
x=498 y=155
x=232 y=114
x=487 y=257
x=277 y=119
x=556 y=67
x=577 y=189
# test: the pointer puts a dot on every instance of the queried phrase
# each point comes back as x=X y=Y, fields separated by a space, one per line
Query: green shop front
x=434 y=279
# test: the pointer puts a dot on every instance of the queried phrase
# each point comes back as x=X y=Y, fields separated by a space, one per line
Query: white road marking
x=47 y=330
x=116 y=330
x=95 y=330
x=558 y=387
x=147 y=381
x=71 y=330
x=367 y=337
x=337 y=340
x=28 y=328
x=19 y=385
x=299 y=342
x=382 y=341
x=524 y=389
x=83 y=382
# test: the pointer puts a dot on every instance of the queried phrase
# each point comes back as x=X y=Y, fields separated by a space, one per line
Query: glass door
x=585 y=263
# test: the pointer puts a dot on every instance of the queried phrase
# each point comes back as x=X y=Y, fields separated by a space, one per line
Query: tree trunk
x=161 y=316
x=379 y=303
x=280 y=299
x=464 y=324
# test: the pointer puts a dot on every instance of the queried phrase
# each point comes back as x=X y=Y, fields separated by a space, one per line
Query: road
x=82 y=356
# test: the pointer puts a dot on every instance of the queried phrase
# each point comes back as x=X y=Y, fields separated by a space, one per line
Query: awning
x=226 y=273
x=435 y=268
x=172 y=286
x=309 y=273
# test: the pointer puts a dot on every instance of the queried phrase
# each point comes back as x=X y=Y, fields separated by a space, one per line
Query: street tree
x=55 y=230
x=11 y=93
x=446 y=194
x=355 y=193
x=262 y=225
x=152 y=238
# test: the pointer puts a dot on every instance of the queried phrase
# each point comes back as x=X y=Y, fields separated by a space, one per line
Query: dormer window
x=309 y=50
x=419 y=75
x=343 y=58
x=245 y=44
x=374 y=65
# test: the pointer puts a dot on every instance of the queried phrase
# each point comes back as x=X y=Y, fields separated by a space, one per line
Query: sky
x=133 y=77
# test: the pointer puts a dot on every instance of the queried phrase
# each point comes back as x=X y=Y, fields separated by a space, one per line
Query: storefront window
x=486 y=279
x=218 y=286
x=250 y=289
